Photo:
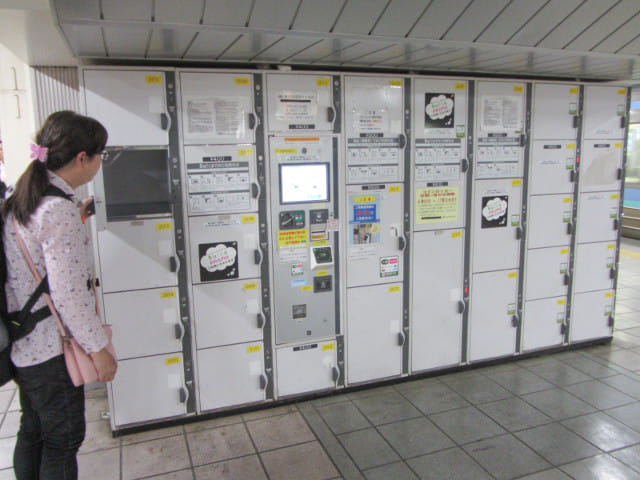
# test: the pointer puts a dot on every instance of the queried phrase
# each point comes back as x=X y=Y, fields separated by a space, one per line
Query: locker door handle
x=619 y=174
x=623 y=122
x=610 y=321
x=253 y=121
x=261 y=320
x=572 y=176
x=462 y=306
x=402 y=138
x=523 y=139
x=179 y=331
x=402 y=243
x=515 y=321
x=563 y=328
x=264 y=381
x=569 y=228
x=615 y=224
x=331 y=114
x=165 y=121
x=257 y=256
x=576 y=121
x=184 y=395
x=335 y=374
x=464 y=165
x=255 y=190
x=173 y=264
x=519 y=233
x=566 y=279
x=401 y=339
x=612 y=273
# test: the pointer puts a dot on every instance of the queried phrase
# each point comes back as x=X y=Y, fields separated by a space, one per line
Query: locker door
x=375 y=241
x=374 y=332
x=159 y=393
x=546 y=272
x=438 y=263
x=594 y=264
x=130 y=104
x=554 y=108
x=231 y=375
x=542 y=323
x=227 y=312
x=224 y=247
x=217 y=108
x=221 y=179
x=601 y=167
x=306 y=368
x=300 y=102
x=551 y=167
x=591 y=315
x=154 y=312
x=598 y=217
x=496 y=224
x=493 y=305
x=549 y=220
x=136 y=255
x=604 y=110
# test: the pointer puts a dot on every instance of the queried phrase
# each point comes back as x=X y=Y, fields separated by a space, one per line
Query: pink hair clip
x=38 y=152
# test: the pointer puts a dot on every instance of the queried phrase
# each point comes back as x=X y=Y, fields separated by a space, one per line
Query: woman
x=52 y=426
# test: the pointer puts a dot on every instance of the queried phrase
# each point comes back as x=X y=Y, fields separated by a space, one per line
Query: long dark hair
x=64 y=134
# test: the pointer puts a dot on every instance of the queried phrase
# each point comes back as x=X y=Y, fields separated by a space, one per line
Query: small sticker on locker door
x=573 y=90
x=563 y=267
x=249 y=219
x=218 y=261
x=460 y=86
x=515 y=220
x=566 y=216
x=609 y=262
x=564 y=251
x=516 y=182
x=245 y=152
x=328 y=346
x=511 y=309
x=608 y=295
x=394 y=189
x=614 y=196
x=611 y=246
x=153 y=79
x=163 y=226
x=560 y=317
x=167 y=294
x=613 y=213
x=571 y=146
x=494 y=211
x=395 y=83
x=322 y=82
x=512 y=275
x=172 y=361
x=394 y=289
x=456 y=235
x=389 y=266
x=460 y=131
x=242 y=81
x=607 y=310
x=307 y=288
x=253 y=348
x=250 y=286
x=561 y=301
x=573 y=108
x=297 y=269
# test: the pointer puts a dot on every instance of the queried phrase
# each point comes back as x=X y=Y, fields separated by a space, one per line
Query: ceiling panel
x=273 y=14
x=209 y=45
x=576 y=23
x=502 y=60
x=606 y=25
x=475 y=19
x=249 y=46
x=85 y=40
x=140 y=10
x=409 y=59
x=512 y=18
x=126 y=42
x=321 y=50
x=399 y=17
x=317 y=16
x=633 y=48
x=400 y=53
x=438 y=57
x=364 y=48
x=178 y=11
x=284 y=49
x=359 y=16
x=89 y=9
x=169 y=43
x=623 y=35
x=438 y=18
x=227 y=12
x=544 y=21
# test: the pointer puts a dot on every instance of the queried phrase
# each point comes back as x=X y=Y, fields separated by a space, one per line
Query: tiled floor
x=571 y=415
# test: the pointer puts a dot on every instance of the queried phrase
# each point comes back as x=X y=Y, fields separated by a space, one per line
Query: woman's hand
x=105 y=364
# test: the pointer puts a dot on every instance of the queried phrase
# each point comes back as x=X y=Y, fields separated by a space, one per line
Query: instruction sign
x=437 y=203
x=364 y=219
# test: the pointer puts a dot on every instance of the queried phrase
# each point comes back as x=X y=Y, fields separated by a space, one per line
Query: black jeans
x=52 y=426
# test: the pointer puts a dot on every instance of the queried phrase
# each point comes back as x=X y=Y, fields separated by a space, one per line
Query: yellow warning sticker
x=328 y=346
x=293 y=238
x=167 y=294
x=460 y=86
x=245 y=152
x=322 y=82
x=394 y=289
x=153 y=79
x=395 y=83
x=242 y=81
x=172 y=361
x=516 y=182
x=250 y=286
x=163 y=226
x=249 y=219
x=253 y=348
x=518 y=89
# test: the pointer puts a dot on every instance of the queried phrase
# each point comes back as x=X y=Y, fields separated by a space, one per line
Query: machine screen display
x=304 y=182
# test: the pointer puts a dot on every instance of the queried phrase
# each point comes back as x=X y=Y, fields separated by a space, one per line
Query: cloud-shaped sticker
x=494 y=209
x=218 y=258
x=439 y=107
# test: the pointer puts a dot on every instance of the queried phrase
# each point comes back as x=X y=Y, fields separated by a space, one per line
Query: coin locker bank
x=267 y=235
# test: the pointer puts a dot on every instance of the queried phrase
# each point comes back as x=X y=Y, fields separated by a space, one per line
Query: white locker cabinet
x=592 y=315
x=131 y=105
x=542 y=324
x=492 y=332
x=601 y=165
x=594 y=265
x=221 y=179
x=554 y=108
x=375 y=242
x=227 y=312
x=496 y=223
x=605 y=109
x=546 y=273
x=224 y=247
x=598 y=217
x=137 y=255
x=300 y=102
x=217 y=108
x=436 y=320
x=549 y=222
x=552 y=167
x=306 y=368
x=374 y=332
x=231 y=375
x=144 y=322
x=149 y=388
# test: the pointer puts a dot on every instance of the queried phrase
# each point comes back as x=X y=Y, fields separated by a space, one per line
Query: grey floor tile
x=100 y=465
x=154 y=457
x=635 y=331
x=553 y=474
x=370 y=392
x=557 y=444
x=243 y=468
x=475 y=387
x=269 y=412
x=308 y=461
x=213 y=423
x=558 y=404
x=491 y=454
x=624 y=358
x=448 y=464
x=628 y=414
x=514 y=414
x=599 y=395
x=625 y=340
x=599 y=468
x=179 y=475
x=368 y=449
x=593 y=368
x=395 y=471
x=466 y=425
x=95 y=407
x=98 y=437
x=629 y=456
x=625 y=384
x=603 y=431
x=343 y=417
x=152 y=434
x=414 y=437
x=434 y=397
x=559 y=374
x=280 y=431
x=216 y=444
x=386 y=408
x=520 y=381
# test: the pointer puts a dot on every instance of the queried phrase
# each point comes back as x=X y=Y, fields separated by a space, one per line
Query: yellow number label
x=163 y=226
x=394 y=289
x=253 y=349
x=394 y=189
x=307 y=288
x=516 y=182
x=518 y=89
x=561 y=302
x=328 y=346
x=249 y=219
x=242 y=81
x=245 y=152
x=250 y=286
x=395 y=83
x=153 y=79
x=322 y=82
x=512 y=274
x=564 y=251
x=167 y=294
x=172 y=361
x=460 y=86
x=608 y=295
x=574 y=90
x=456 y=235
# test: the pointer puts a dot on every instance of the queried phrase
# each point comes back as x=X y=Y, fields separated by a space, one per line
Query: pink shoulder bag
x=79 y=363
